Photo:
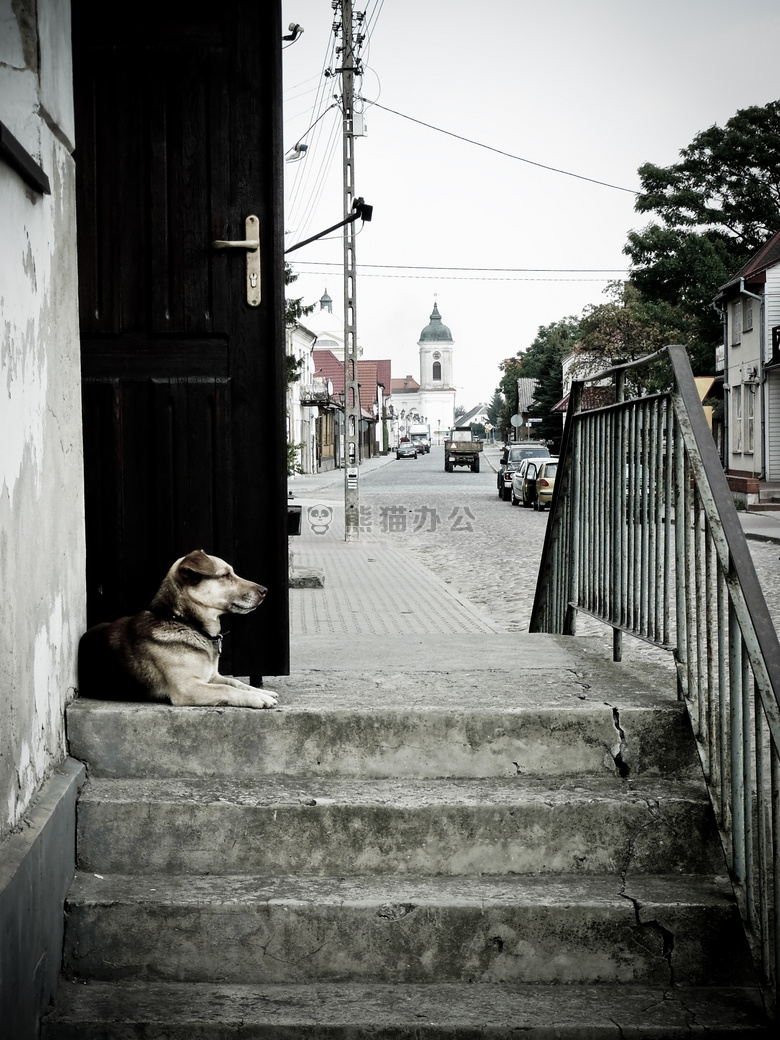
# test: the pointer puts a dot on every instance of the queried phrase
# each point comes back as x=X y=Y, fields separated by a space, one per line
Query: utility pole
x=350 y=64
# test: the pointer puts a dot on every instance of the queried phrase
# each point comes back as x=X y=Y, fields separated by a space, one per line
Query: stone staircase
x=768 y=497
x=512 y=842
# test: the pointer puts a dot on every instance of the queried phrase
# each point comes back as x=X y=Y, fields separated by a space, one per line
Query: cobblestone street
x=485 y=548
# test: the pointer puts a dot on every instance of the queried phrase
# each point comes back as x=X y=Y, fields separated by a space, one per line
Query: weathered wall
x=42 y=556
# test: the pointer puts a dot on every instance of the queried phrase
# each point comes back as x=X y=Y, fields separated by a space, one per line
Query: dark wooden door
x=178 y=129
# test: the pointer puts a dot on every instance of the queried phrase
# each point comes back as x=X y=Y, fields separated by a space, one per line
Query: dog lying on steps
x=170 y=652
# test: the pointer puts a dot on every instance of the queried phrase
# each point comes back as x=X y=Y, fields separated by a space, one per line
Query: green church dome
x=436 y=331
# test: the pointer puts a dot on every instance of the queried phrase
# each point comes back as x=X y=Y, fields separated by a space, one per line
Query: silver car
x=520 y=491
x=511 y=458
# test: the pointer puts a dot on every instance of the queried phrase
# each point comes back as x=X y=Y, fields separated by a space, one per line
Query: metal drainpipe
x=761 y=377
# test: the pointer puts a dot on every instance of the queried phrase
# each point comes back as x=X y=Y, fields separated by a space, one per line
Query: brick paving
x=450 y=560
x=375 y=589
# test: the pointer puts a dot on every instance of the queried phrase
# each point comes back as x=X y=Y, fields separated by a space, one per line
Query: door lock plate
x=251 y=243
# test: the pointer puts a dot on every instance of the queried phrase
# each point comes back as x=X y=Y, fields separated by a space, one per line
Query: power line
x=302 y=189
x=372 y=17
x=463 y=278
x=508 y=155
x=302 y=83
x=505 y=270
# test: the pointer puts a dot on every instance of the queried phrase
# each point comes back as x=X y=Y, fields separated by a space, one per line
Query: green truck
x=462 y=450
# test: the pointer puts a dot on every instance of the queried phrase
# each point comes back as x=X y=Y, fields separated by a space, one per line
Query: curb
x=754 y=536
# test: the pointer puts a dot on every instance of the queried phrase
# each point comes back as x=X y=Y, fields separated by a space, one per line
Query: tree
x=294 y=308
x=715 y=208
x=624 y=329
x=726 y=182
x=542 y=362
x=495 y=408
x=507 y=390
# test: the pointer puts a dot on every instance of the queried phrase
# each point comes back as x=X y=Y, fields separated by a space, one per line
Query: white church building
x=431 y=400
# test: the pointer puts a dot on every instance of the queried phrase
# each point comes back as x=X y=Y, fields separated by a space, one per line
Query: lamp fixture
x=360 y=211
x=296 y=152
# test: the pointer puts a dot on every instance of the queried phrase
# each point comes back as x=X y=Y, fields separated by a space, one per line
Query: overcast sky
x=591 y=87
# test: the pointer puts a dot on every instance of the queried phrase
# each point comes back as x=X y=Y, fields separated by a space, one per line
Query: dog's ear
x=196 y=566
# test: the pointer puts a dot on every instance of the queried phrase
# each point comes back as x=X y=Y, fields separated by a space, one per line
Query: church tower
x=436 y=345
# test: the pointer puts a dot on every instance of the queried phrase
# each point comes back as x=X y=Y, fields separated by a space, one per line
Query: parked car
x=518 y=476
x=406 y=450
x=511 y=457
x=534 y=487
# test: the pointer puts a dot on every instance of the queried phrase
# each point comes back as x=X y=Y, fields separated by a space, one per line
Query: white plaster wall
x=301 y=418
x=42 y=554
x=427 y=350
x=771 y=307
x=744 y=362
x=438 y=406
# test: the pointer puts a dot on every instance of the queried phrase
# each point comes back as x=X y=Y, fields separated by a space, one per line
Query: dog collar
x=216 y=641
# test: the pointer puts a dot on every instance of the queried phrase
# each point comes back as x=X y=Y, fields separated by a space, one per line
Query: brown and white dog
x=170 y=652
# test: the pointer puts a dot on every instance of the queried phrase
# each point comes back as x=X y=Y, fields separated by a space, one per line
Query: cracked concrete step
x=660 y=930
x=319 y=732
x=281 y=825
x=159 y=1011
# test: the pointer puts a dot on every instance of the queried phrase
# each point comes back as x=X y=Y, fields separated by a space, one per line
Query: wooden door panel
x=178 y=122
x=156 y=198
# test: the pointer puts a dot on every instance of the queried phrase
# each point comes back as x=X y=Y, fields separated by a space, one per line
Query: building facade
x=302 y=405
x=750 y=361
x=430 y=401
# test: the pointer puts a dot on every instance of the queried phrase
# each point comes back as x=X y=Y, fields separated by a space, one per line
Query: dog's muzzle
x=249 y=599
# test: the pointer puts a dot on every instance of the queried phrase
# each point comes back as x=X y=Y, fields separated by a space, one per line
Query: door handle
x=252 y=246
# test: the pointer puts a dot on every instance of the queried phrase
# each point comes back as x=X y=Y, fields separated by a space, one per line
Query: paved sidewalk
x=372 y=589
x=763 y=527
x=385 y=629
x=303 y=485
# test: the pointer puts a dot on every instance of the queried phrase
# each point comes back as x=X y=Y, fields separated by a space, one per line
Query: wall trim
x=37 y=863
x=19 y=159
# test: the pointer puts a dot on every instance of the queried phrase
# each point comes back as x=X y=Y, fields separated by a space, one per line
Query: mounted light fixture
x=360 y=211
x=296 y=152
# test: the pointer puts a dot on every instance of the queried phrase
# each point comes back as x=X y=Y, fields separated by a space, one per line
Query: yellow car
x=539 y=482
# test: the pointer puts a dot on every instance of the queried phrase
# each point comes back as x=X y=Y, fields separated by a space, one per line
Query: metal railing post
x=644 y=536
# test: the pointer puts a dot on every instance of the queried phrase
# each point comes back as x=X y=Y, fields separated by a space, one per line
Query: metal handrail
x=616 y=549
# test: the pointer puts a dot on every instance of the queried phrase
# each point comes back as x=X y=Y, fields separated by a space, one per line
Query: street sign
x=516 y=420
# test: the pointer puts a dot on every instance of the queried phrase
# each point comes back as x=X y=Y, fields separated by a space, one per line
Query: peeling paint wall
x=42 y=555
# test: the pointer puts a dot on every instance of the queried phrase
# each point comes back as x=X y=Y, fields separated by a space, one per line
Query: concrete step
x=320 y=735
x=282 y=825
x=166 y=1011
x=429 y=839
x=671 y=930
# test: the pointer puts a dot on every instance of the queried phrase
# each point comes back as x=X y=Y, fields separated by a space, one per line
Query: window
x=747 y=314
x=750 y=401
x=437 y=371
x=736 y=324
x=736 y=418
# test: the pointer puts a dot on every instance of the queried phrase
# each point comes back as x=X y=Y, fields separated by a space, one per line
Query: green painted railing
x=644 y=535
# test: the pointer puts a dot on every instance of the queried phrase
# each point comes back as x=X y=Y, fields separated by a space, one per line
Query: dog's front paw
x=261 y=698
